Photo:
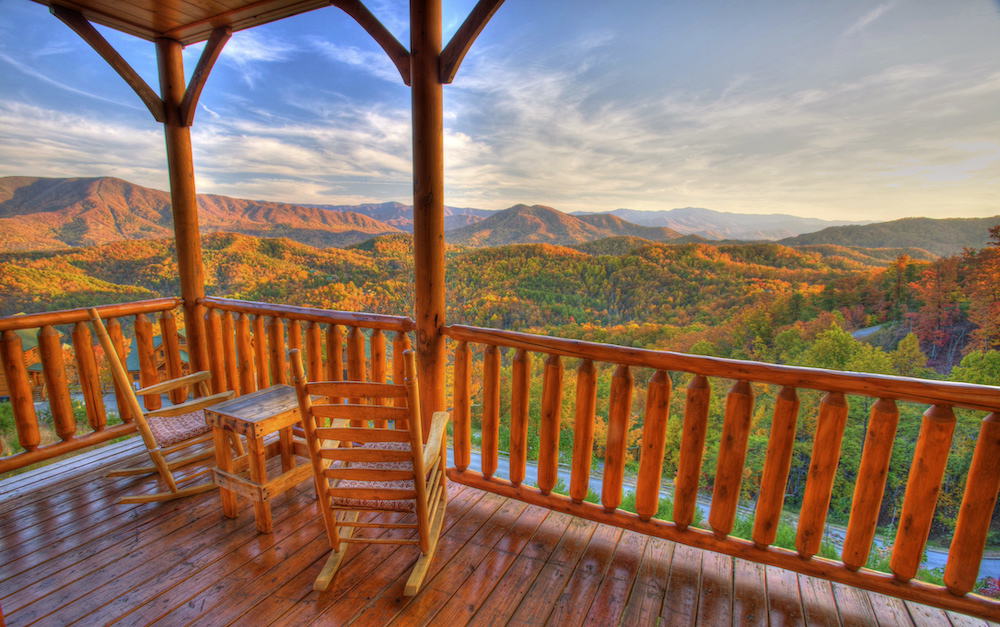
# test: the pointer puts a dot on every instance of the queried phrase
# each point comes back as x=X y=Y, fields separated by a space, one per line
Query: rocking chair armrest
x=173 y=384
x=435 y=437
x=189 y=406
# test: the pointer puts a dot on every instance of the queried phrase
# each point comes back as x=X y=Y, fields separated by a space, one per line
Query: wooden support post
x=246 y=357
x=822 y=471
x=172 y=351
x=90 y=378
x=25 y=419
x=491 y=410
x=462 y=406
x=692 y=448
x=777 y=463
x=548 y=448
x=184 y=202
x=583 y=430
x=654 y=441
x=121 y=394
x=619 y=412
x=428 y=200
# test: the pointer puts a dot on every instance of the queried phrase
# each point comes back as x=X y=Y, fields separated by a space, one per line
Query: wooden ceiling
x=187 y=21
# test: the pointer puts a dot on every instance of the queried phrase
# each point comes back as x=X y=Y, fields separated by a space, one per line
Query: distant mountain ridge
x=400 y=215
x=941 y=236
x=538 y=224
x=724 y=225
x=48 y=214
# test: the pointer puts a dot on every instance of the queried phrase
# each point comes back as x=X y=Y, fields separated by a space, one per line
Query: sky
x=854 y=110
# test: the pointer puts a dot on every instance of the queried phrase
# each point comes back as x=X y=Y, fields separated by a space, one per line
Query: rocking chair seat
x=400 y=505
x=170 y=430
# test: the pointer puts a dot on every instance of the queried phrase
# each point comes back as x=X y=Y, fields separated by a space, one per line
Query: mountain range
x=52 y=214
x=724 y=225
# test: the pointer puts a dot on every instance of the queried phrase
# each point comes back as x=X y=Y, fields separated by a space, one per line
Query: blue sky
x=846 y=110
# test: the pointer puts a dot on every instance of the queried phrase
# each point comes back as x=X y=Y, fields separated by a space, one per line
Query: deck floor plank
x=71 y=555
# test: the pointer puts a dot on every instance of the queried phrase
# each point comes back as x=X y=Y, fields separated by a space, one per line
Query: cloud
x=374 y=62
x=247 y=49
x=30 y=71
x=868 y=19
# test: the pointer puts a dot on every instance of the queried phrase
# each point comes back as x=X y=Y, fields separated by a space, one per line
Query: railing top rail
x=367 y=320
x=80 y=314
x=968 y=395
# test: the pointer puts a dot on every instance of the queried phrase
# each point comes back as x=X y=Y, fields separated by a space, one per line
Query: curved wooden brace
x=462 y=40
x=213 y=48
x=399 y=55
x=89 y=34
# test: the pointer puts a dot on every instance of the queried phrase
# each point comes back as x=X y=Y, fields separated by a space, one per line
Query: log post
x=183 y=198
x=491 y=410
x=428 y=200
x=548 y=448
x=692 y=448
x=583 y=430
x=520 y=390
x=54 y=371
x=654 y=441
x=25 y=419
x=463 y=406
x=777 y=463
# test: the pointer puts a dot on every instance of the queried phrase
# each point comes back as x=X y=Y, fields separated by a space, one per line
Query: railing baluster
x=356 y=370
x=90 y=378
x=732 y=454
x=245 y=354
x=54 y=371
x=462 y=403
x=654 y=442
x=260 y=352
x=922 y=486
x=276 y=342
x=118 y=340
x=356 y=367
x=619 y=412
x=19 y=389
x=776 y=466
x=314 y=344
x=294 y=341
x=491 y=409
x=216 y=359
x=519 y=391
x=334 y=356
x=930 y=457
x=692 y=449
x=822 y=471
x=548 y=436
x=378 y=366
x=229 y=353
x=172 y=352
x=400 y=344
x=869 y=486
x=583 y=430
x=976 y=511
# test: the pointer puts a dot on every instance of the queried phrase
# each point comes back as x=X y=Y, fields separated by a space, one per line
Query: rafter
x=399 y=55
x=462 y=40
x=207 y=60
x=89 y=34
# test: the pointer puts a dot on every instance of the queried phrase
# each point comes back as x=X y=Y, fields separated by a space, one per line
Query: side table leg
x=224 y=461
x=287 y=455
x=258 y=474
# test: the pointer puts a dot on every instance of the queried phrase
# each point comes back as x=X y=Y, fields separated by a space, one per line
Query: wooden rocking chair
x=167 y=430
x=360 y=467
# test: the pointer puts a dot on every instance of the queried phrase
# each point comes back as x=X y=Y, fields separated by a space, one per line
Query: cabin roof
x=187 y=21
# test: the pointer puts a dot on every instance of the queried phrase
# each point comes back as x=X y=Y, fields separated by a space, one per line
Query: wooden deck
x=70 y=555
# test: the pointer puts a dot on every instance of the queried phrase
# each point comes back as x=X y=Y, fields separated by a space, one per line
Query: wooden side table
x=273 y=409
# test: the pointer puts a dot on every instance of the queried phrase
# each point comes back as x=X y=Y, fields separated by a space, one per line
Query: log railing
x=248 y=343
x=924 y=481
x=58 y=328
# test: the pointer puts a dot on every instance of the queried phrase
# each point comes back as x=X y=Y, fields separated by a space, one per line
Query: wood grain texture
x=619 y=414
x=777 y=463
x=56 y=385
x=976 y=511
x=491 y=409
x=519 y=397
x=870 y=485
x=654 y=441
x=930 y=457
x=551 y=421
x=732 y=454
x=583 y=430
x=462 y=404
x=19 y=388
x=692 y=449
x=822 y=470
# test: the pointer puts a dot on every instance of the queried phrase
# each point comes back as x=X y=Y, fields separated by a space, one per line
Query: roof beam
x=89 y=34
x=399 y=55
x=207 y=60
x=462 y=40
